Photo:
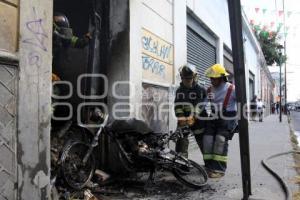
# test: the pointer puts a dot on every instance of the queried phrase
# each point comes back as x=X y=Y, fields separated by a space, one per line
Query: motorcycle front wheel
x=76 y=173
x=191 y=174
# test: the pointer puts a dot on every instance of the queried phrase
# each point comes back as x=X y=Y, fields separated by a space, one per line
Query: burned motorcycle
x=140 y=150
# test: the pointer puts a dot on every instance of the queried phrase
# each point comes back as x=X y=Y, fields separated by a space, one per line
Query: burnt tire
x=75 y=173
x=193 y=176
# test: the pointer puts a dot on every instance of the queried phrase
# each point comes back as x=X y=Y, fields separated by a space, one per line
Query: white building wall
x=151 y=59
x=251 y=56
x=252 y=53
x=157 y=20
x=157 y=17
x=180 y=37
x=135 y=61
x=247 y=73
x=180 y=49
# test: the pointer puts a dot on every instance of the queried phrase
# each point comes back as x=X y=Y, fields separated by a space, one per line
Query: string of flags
x=268 y=32
x=275 y=26
x=270 y=25
x=262 y=21
x=280 y=13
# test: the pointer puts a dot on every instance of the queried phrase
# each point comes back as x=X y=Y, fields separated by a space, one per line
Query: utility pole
x=280 y=87
x=235 y=14
x=285 y=82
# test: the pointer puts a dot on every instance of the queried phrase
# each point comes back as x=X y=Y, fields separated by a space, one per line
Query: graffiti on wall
x=37 y=39
x=157 y=58
x=154 y=66
x=38 y=34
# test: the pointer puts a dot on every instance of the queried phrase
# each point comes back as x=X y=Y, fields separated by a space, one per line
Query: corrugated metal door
x=229 y=67
x=200 y=53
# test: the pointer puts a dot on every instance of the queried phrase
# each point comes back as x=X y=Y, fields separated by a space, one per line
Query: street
x=295 y=116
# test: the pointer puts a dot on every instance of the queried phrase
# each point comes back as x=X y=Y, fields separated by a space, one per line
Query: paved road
x=296 y=121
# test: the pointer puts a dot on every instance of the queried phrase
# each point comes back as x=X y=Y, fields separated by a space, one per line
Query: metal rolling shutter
x=200 y=53
x=229 y=67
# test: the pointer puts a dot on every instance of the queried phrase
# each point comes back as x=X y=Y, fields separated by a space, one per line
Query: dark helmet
x=61 y=28
x=188 y=71
x=61 y=20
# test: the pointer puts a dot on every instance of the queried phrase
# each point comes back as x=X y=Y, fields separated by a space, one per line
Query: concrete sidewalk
x=266 y=138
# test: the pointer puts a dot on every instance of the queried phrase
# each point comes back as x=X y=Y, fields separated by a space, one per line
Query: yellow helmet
x=216 y=71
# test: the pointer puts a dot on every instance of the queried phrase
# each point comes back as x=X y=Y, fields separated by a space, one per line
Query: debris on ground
x=89 y=196
x=296 y=196
x=296 y=180
x=101 y=176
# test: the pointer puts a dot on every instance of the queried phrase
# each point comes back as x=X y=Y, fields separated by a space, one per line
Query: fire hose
x=282 y=183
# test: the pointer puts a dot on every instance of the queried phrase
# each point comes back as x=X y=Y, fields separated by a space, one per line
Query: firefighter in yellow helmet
x=189 y=95
x=219 y=127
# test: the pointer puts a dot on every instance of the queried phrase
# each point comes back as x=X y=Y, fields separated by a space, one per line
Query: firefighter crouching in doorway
x=188 y=97
x=222 y=100
x=63 y=39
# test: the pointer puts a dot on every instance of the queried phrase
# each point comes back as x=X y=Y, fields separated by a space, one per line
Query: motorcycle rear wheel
x=77 y=174
x=193 y=176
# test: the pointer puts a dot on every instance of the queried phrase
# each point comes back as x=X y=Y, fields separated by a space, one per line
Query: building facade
x=260 y=82
x=274 y=70
x=267 y=89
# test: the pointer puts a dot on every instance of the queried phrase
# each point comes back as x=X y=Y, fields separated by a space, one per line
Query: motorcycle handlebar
x=180 y=132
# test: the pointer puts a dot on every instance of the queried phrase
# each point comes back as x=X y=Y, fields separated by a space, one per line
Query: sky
x=269 y=13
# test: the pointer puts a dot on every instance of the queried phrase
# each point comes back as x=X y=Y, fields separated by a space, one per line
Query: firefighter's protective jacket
x=217 y=97
x=190 y=101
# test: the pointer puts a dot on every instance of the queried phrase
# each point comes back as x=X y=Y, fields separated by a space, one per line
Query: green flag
x=257 y=28
x=279 y=26
x=264 y=10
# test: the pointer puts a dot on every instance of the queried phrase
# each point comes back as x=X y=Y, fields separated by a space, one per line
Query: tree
x=269 y=42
